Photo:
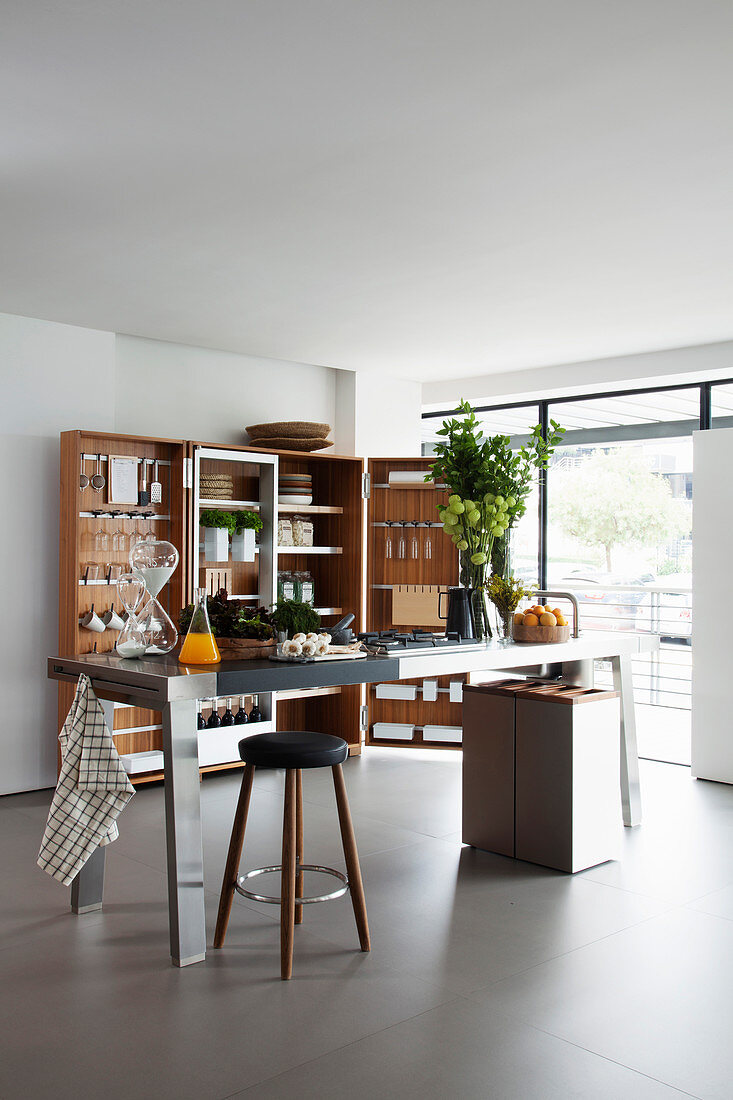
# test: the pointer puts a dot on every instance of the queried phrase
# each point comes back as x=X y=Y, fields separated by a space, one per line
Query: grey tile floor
x=487 y=979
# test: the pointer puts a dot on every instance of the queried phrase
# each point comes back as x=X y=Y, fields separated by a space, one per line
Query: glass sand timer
x=131 y=639
x=155 y=562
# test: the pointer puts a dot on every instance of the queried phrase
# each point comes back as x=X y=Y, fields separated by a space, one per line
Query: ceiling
x=427 y=188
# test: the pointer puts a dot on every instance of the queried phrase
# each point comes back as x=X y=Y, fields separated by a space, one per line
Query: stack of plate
x=295 y=489
x=216 y=486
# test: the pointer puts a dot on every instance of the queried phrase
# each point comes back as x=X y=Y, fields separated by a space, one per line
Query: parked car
x=600 y=607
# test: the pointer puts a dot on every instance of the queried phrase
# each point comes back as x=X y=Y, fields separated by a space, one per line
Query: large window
x=612 y=521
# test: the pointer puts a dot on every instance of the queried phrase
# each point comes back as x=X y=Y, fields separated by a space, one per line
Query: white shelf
x=314 y=509
x=329 y=610
x=310 y=550
x=224 y=504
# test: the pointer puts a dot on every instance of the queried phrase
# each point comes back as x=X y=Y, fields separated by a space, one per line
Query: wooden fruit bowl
x=244 y=649
x=543 y=634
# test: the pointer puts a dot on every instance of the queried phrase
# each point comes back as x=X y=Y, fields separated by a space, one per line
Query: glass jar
x=302 y=531
x=304 y=587
x=284 y=532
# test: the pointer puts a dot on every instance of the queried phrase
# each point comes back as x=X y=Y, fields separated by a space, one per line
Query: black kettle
x=459 y=619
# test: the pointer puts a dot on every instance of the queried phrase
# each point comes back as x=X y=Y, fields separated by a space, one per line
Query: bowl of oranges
x=540 y=624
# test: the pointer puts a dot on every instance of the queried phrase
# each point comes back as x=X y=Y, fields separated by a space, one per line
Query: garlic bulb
x=298 y=637
x=292 y=648
x=311 y=637
x=308 y=648
x=326 y=638
x=321 y=649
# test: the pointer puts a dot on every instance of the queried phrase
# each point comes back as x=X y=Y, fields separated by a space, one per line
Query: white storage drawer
x=453 y=734
x=221 y=746
x=393 y=731
x=135 y=763
x=396 y=691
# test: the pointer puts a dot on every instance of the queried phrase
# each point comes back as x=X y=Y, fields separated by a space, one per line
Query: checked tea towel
x=92 y=790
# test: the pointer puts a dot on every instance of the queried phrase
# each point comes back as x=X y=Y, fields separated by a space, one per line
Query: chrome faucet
x=574 y=601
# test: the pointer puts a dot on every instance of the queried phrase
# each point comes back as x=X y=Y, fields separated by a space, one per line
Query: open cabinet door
x=410 y=560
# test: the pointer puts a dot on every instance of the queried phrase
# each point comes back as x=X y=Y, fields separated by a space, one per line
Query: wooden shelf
x=285 y=550
x=312 y=509
x=329 y=610
x=306 y=693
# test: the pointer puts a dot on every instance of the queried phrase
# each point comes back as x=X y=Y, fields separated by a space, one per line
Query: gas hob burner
x=391 y=641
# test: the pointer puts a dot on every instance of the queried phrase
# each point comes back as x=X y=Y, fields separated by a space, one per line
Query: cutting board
x=415 y=605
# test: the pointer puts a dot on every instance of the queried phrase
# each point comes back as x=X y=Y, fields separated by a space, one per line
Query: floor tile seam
x=708 y=894
x=356 y=814
x=633 y=893
x=565 y=954
x=704 y=913
x=344 y=1046
x=606 y=1058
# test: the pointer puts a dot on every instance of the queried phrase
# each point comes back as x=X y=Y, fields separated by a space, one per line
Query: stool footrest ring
x=312 y=900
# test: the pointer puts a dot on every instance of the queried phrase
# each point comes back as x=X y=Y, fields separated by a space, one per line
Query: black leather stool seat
x=293 y=749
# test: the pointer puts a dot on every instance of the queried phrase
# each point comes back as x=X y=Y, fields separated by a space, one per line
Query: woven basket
x=244 y=649
x=287 y=444
x=293 y=429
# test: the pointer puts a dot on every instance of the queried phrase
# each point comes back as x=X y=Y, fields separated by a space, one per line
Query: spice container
x=284 y=532
x=286 y=586
x=302 y=531
x=304 y=587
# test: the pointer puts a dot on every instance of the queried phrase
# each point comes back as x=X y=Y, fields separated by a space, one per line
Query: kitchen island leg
x=88 y=886
x=630 y=786
x=183 y=833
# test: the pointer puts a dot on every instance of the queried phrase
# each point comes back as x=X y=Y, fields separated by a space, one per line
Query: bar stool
x=294 y=751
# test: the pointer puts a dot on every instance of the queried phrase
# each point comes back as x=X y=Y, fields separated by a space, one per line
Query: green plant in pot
x=488 y=484
x=291 y=617
x=218 y=526
x=246 y=525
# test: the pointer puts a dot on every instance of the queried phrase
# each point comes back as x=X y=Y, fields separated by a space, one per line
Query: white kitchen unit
x=712 y=537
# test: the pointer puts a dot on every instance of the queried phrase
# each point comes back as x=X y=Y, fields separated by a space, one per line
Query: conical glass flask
x=131 y=639
x=199 y=647
x=155 y=562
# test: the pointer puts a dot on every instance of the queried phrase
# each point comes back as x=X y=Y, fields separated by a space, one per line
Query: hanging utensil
x=143 y=494
x=83 y=479
x=98 y=479
x=156 y=489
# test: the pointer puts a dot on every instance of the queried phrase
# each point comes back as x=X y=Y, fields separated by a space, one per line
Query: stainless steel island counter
x=163 y=684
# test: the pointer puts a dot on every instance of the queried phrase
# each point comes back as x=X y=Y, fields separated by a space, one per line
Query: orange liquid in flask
x=199 y=649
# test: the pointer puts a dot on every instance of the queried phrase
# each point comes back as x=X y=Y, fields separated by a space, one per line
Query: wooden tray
x=244 y=649
x=540 y=634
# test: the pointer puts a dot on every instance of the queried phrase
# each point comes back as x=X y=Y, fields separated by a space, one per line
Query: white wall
x=387 y=416
x=53 y=377
x=184 y=392
x=712 y=536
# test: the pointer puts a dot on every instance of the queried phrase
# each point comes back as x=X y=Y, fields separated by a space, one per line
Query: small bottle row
x=228 y=718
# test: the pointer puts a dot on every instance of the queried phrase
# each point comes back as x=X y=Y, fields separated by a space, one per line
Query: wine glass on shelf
x=414 y=544
x=401 y=542
x=155 y=562
x=427 y=544
x=388 y=540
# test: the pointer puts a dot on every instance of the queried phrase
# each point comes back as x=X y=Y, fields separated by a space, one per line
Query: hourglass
x=131 y=639
x=155 y=562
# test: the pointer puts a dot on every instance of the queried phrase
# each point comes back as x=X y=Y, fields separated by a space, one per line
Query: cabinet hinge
x=366 y=485
x=364 y=718
x=188 y=473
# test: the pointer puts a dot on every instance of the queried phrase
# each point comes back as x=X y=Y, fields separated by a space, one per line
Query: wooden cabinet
x=400 y=506
x=409 y=561
x=95 y=537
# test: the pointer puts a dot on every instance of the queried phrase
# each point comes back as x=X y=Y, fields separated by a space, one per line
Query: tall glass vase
x=474 y=578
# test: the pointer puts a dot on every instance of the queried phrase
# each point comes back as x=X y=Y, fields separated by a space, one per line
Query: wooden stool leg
x=352 y=858
x=287 y=889
x=299 y=842
x=234 y=856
